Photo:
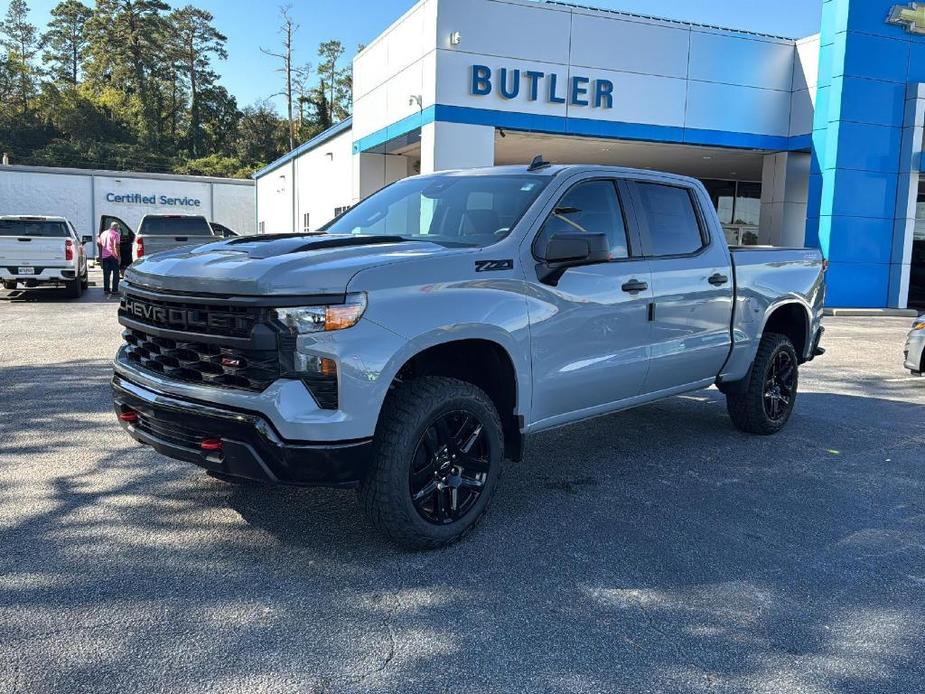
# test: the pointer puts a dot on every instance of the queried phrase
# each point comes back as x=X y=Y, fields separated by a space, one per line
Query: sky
x=251 y=24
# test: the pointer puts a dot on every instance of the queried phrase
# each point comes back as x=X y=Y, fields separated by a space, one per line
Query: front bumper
x=914 y=350
x=250 y=447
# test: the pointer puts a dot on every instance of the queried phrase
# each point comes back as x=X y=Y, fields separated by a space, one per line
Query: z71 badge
x=493 y=265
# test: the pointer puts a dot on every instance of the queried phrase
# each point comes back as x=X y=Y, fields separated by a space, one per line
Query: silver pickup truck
x=162 y=232
x=410 y=347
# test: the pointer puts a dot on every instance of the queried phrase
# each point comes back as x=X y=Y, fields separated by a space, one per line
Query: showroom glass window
x=669 y=222
x=737 y=203
x=591 y=207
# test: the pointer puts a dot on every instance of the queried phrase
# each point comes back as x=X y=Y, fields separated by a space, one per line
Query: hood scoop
x=276 y=245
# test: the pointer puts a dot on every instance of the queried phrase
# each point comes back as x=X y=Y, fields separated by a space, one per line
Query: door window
x=591 y=207
x=668 y=221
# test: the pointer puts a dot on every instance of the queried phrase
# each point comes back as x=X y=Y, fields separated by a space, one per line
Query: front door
x=692 y=284
x=590 y=332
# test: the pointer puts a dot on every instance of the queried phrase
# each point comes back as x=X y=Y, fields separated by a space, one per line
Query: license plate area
x=25 y=271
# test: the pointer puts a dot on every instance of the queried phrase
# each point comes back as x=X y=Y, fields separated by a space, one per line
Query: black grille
x=199 y=362
x=232 y=321
x=171 y=433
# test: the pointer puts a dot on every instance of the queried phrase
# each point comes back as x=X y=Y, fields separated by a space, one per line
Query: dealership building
x=813 y=140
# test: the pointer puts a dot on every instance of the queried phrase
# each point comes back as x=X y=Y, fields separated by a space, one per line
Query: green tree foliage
x=133 y=84
x=66 y=40
x=195 y=43
x=20 y=40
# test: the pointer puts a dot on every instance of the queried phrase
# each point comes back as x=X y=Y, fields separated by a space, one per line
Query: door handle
x=718 y=280
x=634 y=286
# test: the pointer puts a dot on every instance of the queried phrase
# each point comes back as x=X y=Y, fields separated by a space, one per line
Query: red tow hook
x=129 y=416
x=210 y=445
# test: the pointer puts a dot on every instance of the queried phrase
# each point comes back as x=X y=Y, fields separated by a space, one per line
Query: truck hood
x=283 y=264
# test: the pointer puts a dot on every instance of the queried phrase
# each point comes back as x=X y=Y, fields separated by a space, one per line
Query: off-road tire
x=747 y=409
x=409 y=410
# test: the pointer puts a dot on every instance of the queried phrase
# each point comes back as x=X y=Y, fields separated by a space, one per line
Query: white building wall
x=233 y=206
x=456 y=146
x=84 y=196
x=62 y=195
x=276 y=201
x=664 y=73
x=805 y=80
x=323 y=178
x=396 y=66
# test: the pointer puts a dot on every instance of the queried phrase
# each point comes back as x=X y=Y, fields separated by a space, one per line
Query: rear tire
x=74 y=288
x=85 y=282
x=767 y=403
x=437 y=459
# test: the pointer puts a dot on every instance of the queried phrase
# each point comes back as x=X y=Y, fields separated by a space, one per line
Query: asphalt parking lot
x=655 y=550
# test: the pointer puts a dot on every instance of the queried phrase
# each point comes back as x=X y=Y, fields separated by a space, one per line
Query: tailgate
x=156 y=243
x=25 y=250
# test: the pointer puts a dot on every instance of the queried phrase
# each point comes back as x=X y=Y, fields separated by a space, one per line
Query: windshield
x=175 y=226
x=23 y=227
x=449 y=210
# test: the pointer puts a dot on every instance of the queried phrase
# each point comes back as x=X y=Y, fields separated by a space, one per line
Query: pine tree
x=20 y=40
x=329 y=52
x=126 y=48
x=195 y=42
x=65 y=42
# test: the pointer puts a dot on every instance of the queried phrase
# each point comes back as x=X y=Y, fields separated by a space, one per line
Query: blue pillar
x=865 y=65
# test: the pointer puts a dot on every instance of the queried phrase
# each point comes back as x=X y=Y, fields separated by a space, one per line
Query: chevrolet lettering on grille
x=182 y=318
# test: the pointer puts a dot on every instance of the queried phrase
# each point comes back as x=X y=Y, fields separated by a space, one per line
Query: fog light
x=210 y=444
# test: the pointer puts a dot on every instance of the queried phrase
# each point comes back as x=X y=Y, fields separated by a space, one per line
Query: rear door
x=29 y=244
x=692 y=286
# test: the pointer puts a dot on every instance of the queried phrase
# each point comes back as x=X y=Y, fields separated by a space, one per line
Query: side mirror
x=86 y=239
x=559 y=252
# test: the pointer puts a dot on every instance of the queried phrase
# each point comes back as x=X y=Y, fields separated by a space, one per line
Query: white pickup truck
x=37 y=251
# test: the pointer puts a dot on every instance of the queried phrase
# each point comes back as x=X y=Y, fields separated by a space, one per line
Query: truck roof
x=551 y=170
x=31 y=218
x=183 y=215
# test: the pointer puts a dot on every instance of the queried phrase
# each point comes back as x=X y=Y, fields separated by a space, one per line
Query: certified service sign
x=911 y=17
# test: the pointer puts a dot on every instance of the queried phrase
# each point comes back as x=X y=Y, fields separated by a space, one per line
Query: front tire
x=438 y=452
x=9 y=284
x=767 y=403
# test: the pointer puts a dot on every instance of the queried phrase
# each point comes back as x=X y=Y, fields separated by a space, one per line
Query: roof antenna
x=538 y=163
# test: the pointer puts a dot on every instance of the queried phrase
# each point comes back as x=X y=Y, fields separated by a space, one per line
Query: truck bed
x=767 y=276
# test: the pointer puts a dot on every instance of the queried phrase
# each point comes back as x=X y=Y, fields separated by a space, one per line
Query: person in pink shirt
x=109 y=258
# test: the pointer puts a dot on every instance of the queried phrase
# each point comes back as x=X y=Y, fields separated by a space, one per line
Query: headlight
x=302 y=320
x=919 y=325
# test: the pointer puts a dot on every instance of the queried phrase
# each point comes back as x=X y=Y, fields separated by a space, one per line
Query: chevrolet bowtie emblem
x=911 y=17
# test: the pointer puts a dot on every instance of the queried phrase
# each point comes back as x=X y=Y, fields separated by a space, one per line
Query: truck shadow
x=658 y=545
x=57 y=295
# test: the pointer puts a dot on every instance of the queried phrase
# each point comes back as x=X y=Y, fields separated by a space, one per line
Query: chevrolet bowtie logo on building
x=911 y=16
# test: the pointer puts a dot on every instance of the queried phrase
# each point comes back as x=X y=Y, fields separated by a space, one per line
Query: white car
x=40 y=251
x=915 y=347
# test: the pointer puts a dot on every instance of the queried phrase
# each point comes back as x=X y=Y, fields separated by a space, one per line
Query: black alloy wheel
x=779 y=386
x=449 y=467
x=764 y=401
x=439 y=446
